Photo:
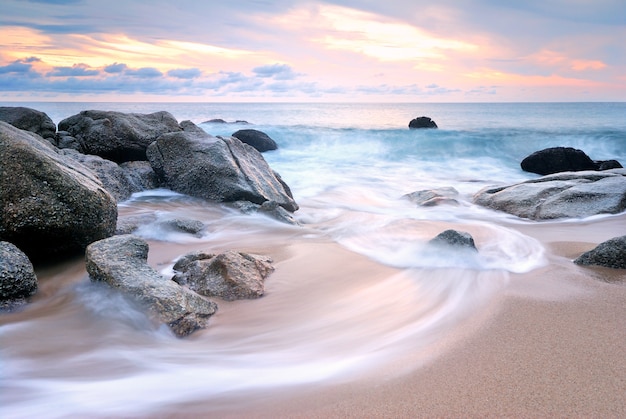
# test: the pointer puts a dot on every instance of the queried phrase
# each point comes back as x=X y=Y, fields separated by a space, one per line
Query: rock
x=29 y=120
x=610 y=254
x=269 y=208
x=129 y=224
x=563 y=195
x=257 y=139
x=454 y=239
x=608 y=164
x=186 y=225
x=121 y=262
x=230 y=275
x=558 y=159
x=17 y=276
x=140 y=175
x=221 y=169
x=189 y=126
x=433 y=197
x=50 y=205
x=215 y=121
x=422 y=122
x=117 y=136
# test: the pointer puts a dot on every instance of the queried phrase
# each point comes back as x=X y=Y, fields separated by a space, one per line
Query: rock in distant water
x=257 y=139
x=50 y=206
x=563 y=195
x=558 y=159
x=230 y=275
x=422 y=122
x=29 y=120
x=455 y=239
x=17 y=276
x=611 y=254
x=121 y=262
x=219 y=169
x=118 y=136
x=433 y=197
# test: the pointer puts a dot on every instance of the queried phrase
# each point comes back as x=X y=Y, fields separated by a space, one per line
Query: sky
x=313 y=50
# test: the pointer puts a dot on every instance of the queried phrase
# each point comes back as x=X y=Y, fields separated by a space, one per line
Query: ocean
x=353 y=293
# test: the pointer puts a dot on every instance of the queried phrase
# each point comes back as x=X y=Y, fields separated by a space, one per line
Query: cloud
x=19 y=67
x=77 y=70
x=185 y=73
x=144 y=73
x=275 y=71
x=115 y=68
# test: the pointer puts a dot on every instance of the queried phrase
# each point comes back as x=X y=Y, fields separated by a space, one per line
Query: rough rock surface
x=118 y=136
x=268 y=208
x=17 y=276
x=433 y=197
x=562 y=195
x=611 y=254
x=121 y=261
x=29 y=120
x=50 y=205
x=230 y=275
x=221 y=169
x=455 y=239
x=422 y=122
x=257 y=139
x=557 y=159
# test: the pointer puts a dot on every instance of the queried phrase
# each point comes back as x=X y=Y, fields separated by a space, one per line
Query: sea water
x=81 y=349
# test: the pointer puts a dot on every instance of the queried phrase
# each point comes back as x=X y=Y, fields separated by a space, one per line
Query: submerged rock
x=563 y=195
x=221 y=169
x=433 y=197
x=230 y=275
x=50 y=205
x=121 y=262
x=454 y=239
x=118 y=136
x=29 y=120
x=610 y=254
x=257 y=139
x=422 y=122
x=17 y=276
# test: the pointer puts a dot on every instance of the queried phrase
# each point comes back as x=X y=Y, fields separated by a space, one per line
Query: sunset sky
x=299 y=50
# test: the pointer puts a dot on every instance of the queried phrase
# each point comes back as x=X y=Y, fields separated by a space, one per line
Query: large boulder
x=219 y=169
x=563 y=195
x=29 y=120
x=121 y=262
x=117 y=136
x=422 y=122
x=257 y=139
x=17 y=276
x=230 y=275
x=50 y=205
x=563 y=159
x=610 y=254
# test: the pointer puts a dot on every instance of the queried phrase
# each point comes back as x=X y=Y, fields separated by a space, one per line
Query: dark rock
x=50 y=205
x=230 y=275
x=189 y=126
x=454 y=239
x=140 y=175
x=610 y=254
x=563 y=195
x=557 y=159
x=66 y=141
x=129 y=224
x=17 y=276
x=433 y=197
x=215 y=121
x=117 y=136
x=422 y=122
x=29 y=120
x=221 y=169
x=608 y=164
x=257 y=139
x=269 y=208
x=121 y=262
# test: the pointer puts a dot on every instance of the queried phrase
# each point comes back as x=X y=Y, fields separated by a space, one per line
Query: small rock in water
x=433 y=197
x=455 y=239
x=422 y=122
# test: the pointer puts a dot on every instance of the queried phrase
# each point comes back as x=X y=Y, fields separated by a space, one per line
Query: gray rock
x=29 y=120
x=422 y=122
x=189 y=126
x=610 y=254
x=129 y=224
x=269 y=208
x=140 y=175
x=230 y=275
x=221 y=169
x=186 y=225
x=563 y=195
x=454 y=239
x=121 y=262
x=257 y=139
x=50 y=205
x=433 y=197
x=117 y=136
x=17 y=276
